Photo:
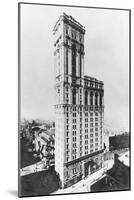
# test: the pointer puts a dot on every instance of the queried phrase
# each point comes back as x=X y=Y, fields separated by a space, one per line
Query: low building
x=44 y=146
x=119 y=142
x=124 y=158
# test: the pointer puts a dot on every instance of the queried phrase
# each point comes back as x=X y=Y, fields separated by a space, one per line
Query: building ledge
x=83 y=157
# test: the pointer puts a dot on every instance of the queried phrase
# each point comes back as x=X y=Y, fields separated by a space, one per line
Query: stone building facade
x=79 y=108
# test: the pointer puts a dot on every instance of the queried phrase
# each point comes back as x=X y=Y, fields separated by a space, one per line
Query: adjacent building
x=79 y=108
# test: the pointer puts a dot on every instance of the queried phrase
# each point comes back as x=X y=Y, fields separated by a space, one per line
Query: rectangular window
x=86 y=141
x=91 y=119
x=96 y=134
x=91 y=129
x=91 y=140
x=96 y=114
x=91 y=124
x=73 y=60
x=66 y=60
x=91 y=114
x=96 y=144
x=80 y=63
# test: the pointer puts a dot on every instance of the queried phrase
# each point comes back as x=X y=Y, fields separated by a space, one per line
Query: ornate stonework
x=79 y=108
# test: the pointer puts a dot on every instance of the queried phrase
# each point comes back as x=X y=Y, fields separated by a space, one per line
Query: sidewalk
x=85 y=184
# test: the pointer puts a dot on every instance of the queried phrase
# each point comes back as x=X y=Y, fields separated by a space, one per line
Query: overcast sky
x=106 y=58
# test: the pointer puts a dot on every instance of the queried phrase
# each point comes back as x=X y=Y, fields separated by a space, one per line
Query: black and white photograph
x=74 y=99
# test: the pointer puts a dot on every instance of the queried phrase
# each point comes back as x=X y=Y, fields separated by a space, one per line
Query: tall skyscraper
x=79 y=108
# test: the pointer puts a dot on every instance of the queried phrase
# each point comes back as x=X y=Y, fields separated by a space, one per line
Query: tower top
x=69 y=20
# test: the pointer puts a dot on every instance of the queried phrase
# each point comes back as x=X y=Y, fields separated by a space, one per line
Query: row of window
x=87 y=111
x=86 y=130
x=91 y=114
x=86 y=92
x=86 y=138
x=98 y=98
x=93 y=84
x=74 y=152
x=86 y=121
x=86 y=141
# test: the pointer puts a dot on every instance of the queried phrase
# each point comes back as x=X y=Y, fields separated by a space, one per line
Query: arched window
x=86 y=97
x=96 y=99
x=91 y=98
x=74 y=96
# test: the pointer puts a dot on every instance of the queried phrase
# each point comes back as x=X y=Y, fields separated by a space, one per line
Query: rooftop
x=125 y=158
x=89 y=78
x=69 y=18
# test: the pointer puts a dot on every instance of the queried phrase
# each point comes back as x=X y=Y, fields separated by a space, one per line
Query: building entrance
x=89 y=167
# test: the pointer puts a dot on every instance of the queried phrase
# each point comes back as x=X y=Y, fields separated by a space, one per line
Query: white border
x=8 y=100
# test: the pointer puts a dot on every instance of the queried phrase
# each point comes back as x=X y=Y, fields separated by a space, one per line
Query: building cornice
x=83 y=158
x=71 y=22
